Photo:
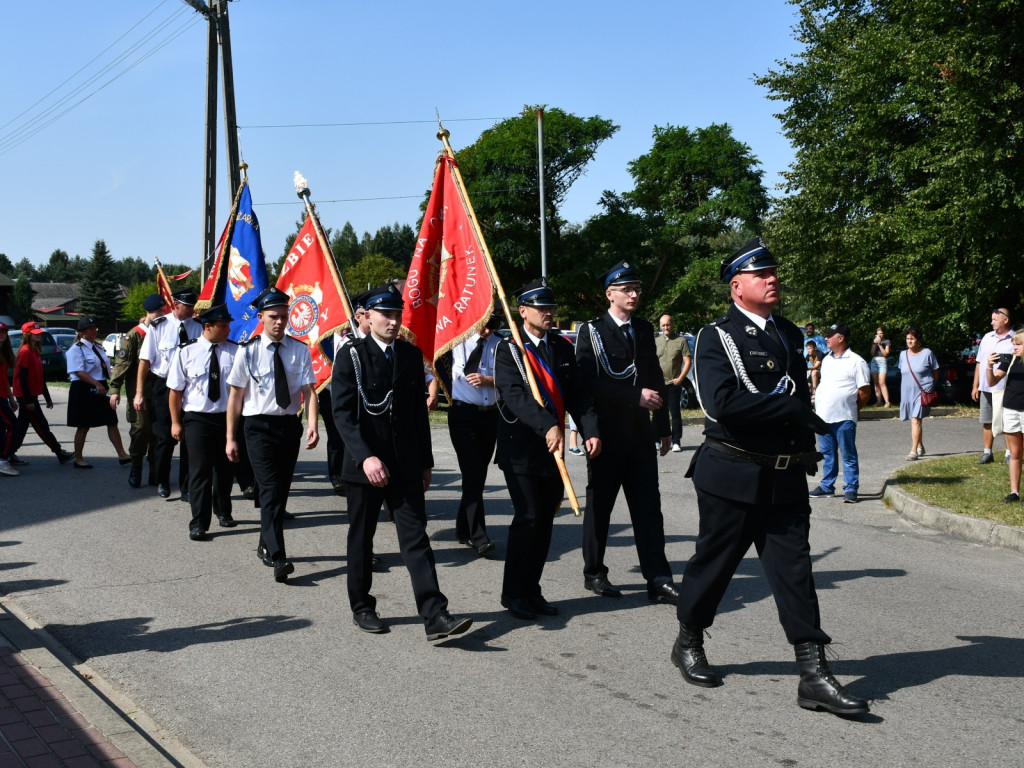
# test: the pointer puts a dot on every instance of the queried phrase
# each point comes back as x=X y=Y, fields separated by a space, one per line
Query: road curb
x=112 y=713
x=961 y=526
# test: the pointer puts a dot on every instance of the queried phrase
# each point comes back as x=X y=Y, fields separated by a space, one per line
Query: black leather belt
x=782 y=461
x=464 y=404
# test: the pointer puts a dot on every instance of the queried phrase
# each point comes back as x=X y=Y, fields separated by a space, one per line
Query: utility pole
x=219 y=33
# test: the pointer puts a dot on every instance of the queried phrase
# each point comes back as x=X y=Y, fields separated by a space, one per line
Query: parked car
x=110 y=344
x=54 y=363
x=64 y=339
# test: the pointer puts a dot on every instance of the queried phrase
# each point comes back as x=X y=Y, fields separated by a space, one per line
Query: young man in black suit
x=619 y=363
x=381 y=414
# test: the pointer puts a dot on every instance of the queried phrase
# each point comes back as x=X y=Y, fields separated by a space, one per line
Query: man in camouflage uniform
x=126 y=366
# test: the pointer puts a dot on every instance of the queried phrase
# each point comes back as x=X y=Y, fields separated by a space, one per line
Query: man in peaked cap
x=379 y=409
x=529 y=435
x=271 y=378
x=751 y=478
x=619 y=363
x=199 y=397
x=142 y=441
x=166 y=334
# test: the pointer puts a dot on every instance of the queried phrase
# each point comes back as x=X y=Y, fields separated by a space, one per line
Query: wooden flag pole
x=202 y=305
x=513 y=323
x=303 y=192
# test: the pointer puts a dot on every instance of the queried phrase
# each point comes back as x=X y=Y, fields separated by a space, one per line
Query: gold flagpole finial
x=442 y=132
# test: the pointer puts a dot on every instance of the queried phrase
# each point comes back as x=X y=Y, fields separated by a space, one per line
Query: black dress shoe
x=282 y=570
x=688 y=655
x=287 y=516
x=261 y=553
x=374 y=562
x=197 y=534
x=484 y=548
x=368 y=621
x=162 y=491
x=339 y=489
x=123 y=462
x=16 y=462
x=518 y=607
x=542 y=606
x=666 y=593
x=446 y=624
x=184 y=496
x=135 y=476
x=226 y=521
x=249 y=493
x=87 y=465
x=62 y=456
x=601 y=586
x=464 y=541
x=818 y=687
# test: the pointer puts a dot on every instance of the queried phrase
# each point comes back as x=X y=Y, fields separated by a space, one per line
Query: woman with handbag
x=1012 y=368
x=918 y=368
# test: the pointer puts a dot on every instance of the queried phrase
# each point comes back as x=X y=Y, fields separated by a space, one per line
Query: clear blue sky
x=126 y=164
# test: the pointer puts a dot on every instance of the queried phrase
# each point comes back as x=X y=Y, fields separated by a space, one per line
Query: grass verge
x=960 y=484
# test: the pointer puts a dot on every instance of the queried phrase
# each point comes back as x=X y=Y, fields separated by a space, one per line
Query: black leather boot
x=818 y=687
x=688 y=655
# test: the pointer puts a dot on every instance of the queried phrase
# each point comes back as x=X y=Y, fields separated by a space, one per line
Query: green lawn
x=960 y=484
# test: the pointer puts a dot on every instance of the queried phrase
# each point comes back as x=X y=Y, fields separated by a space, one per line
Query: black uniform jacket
x=625 y=425
x=521 y=445
x=400 y=436
x=762 y=423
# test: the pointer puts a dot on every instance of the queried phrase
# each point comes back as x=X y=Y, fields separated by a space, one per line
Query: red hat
x=4 y=326
x=31 y=327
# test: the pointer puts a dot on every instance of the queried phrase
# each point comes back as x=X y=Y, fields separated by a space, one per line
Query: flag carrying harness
x=374 y=409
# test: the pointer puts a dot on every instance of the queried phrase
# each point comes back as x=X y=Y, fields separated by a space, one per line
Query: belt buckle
x=782 y=462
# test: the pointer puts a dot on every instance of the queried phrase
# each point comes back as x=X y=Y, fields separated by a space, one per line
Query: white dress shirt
x=190 y=374
x=253 y=370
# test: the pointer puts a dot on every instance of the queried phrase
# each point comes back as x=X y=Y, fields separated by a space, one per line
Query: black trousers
x=536 y=501
x=473 y=433
x=335 y=446
x=636 y=474
x=273 y=443
x=780 y=535
x=407 y=503
x=210 y=471
x=164 y=441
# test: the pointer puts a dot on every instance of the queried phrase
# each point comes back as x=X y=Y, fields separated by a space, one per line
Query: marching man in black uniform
x=377 y=386
x=529 y=435
x=619 y=363
x=271 y=376
x=199 y=402
x=751 y=477
x=166 y=334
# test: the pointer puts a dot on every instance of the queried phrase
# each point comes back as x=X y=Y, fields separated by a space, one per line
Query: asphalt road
x=243 y=671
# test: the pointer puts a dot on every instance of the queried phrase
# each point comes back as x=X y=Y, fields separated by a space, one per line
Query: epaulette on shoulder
x=720 y=320
x=187 y=343
x=158 y=320
x=249 y=341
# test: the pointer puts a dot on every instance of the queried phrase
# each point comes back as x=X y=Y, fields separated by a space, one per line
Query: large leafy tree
x=99 y=295
x=500 y=172
x=21 y=300
x=371 y=271
x=6 y=267
x=396 y=243
x=698 y=195
x=905 y=199
x=345 y=246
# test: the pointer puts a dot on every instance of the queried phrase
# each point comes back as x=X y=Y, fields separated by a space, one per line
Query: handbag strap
x=911 y=369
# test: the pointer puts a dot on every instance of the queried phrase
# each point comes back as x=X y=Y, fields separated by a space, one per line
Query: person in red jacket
x=29 y=384
x=7 y=403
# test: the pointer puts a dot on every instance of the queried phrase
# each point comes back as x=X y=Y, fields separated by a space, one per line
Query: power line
x=397 y=197
x=40 y=121
x=380 y=122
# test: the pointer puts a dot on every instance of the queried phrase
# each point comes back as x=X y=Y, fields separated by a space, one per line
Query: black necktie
x=182 y=334
x=473 y=361
x=213 y=391
x=629 y=338
x=284 y=399
x=542 y=348
x=772 y=331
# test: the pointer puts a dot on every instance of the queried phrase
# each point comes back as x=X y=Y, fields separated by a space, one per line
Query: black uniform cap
x=272 y=298
x=536 y=294
x=753 y=256
x=215 y=315
x=621 y=274
x=185 y=297
x=385 y=298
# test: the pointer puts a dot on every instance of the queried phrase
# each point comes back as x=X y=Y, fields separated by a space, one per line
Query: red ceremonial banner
x=448 y=292
x=310 y=278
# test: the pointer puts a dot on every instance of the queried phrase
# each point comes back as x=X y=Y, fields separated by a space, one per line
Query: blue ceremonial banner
x=244 y=271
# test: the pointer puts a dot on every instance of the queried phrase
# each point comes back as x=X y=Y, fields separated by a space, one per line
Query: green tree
x=6 y=267
x=26 y=268
x=371 y=271
x=99 y=295
x=133 y=270
x=132 y=308
x=345 y=247
x=58 y=268
x=905 y=199
x=397 y=243
x=21 y=300
x=500 y=172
